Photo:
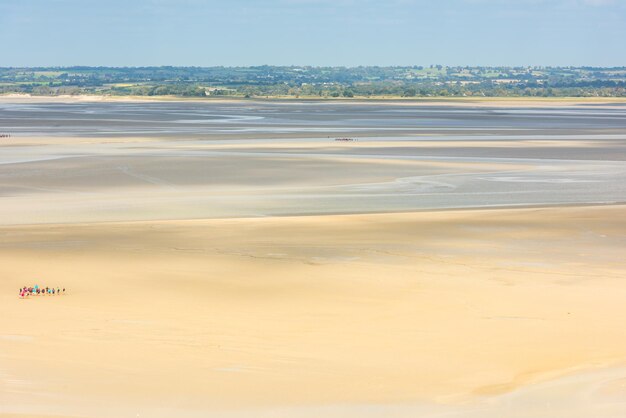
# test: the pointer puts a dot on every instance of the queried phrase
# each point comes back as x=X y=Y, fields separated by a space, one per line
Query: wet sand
x=139 y=178
x=251 y=266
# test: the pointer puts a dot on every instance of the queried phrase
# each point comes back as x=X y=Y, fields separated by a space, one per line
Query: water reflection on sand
x=201 y=160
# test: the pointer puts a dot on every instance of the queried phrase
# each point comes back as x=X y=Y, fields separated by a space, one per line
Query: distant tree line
x=295 y=81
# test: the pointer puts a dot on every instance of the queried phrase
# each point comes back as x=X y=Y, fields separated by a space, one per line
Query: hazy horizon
x=311 y=66
x=349 y=33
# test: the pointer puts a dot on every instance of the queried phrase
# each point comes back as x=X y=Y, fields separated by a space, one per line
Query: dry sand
x=459 y=313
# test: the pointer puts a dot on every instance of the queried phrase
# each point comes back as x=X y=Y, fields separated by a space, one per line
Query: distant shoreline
x=462 y=101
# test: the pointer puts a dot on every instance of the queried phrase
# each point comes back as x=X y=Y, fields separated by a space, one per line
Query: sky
x=312 y=32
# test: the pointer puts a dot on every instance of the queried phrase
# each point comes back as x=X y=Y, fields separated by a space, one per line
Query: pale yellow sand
x=396 y=100
x=462 y=313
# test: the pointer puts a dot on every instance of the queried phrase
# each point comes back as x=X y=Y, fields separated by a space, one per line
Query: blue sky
x=312 y=32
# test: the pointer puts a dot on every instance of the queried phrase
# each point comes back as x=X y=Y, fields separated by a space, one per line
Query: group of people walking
x=5 y=135
x=43 y=291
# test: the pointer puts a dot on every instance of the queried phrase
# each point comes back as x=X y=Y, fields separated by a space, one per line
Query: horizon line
x=311 y=66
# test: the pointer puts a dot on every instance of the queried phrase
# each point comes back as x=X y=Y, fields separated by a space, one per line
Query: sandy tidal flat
x=231 y=259
x=455 y=312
